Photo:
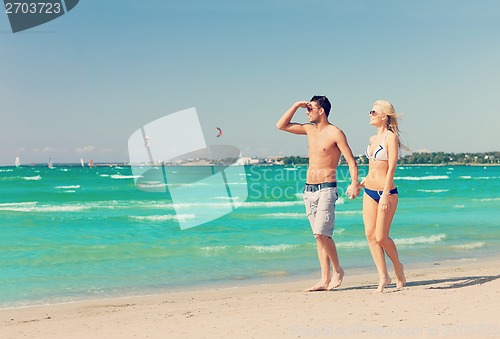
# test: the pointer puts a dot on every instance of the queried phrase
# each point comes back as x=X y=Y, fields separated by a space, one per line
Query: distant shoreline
x=413 y=159
x=56 y=165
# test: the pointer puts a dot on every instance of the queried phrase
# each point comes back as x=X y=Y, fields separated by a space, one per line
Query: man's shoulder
x=334 y=130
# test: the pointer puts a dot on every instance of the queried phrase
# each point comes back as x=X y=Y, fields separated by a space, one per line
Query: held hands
x=353 y=190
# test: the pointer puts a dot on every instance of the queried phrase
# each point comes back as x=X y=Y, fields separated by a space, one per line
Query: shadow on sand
x=439 y=284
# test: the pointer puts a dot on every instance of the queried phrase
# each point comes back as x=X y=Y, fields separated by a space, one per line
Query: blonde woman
x=381 y=195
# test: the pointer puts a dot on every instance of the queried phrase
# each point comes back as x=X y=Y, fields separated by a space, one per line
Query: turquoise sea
x=71 y=233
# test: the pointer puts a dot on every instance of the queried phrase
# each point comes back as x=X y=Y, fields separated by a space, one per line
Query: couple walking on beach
x=326 y=143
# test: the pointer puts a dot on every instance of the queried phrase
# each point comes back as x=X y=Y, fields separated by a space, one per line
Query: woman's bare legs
x=377 y=227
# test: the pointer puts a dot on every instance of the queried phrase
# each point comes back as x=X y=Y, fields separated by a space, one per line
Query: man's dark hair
x=323 y=102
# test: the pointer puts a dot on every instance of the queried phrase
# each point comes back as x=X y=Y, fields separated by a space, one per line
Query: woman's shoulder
x=391 y=136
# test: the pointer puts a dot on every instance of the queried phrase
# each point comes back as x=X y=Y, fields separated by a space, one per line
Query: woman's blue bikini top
x=380 y=153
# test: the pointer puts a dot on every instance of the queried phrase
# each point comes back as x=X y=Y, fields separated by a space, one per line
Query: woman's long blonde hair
x=392 y=119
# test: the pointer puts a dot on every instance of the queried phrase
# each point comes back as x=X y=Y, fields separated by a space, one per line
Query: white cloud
x=84 y=149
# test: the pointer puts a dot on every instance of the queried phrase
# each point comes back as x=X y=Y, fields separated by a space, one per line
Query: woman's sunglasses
x=373 y=113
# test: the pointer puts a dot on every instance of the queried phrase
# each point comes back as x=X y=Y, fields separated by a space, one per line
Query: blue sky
x=80 y=85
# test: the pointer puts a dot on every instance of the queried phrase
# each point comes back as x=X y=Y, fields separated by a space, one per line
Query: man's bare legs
x=327 y=253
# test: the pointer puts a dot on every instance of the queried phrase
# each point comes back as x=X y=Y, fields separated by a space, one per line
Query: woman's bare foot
x=383 y=284
x=400 y=277
x=321 y=286
x=339 y=276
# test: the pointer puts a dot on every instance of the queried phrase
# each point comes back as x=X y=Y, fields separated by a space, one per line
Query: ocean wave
x=434 y=191
x=283 y=215
x=18 y=204
x=121 y=176
x=487 y=199
x=272 y=203
x=349 y=212
x=34 y=207
x=465 y=177
x=420 y=240
x=400 y=242
x=428 y=177
x=248 y=248
x=34 y=178
x=151 y=184
x=68 y=187
x=469 y=246
x=270 y=248
x=212 y=249
x=352 y=244
x=6 y=170
x=153 y=217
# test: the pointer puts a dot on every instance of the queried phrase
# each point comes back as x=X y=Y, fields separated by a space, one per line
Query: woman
x=381 y=195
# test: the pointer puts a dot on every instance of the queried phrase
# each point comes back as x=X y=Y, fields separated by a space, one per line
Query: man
x=326 y=143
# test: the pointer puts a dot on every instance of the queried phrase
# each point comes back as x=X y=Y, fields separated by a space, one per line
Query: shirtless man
x=326 y=143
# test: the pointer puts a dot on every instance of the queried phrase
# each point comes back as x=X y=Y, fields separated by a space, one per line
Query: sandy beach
x=445 y=299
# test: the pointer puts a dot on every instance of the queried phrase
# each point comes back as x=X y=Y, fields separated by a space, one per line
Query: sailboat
x=18 y=161
x=82 y=163
x=50 y=165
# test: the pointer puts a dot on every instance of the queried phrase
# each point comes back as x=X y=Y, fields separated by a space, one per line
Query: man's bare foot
x=339 y=276
x=318 y=287
x=383 y=284
x=400 y=277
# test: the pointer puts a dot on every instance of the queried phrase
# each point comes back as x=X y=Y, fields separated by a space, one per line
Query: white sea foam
x=34 y=178
x=34 y=207
x=68 y=187
x=349 y=212
x=152 y=184
x=400 y=242
x=185 y=216
x=121 y=176
x=164 y=217
x=433 y=191
x=465 y=177
x=469 y=246
x=211 y=249
x=487 y=199
x=352 y=244
x=272 y=203
x=270 y=248
x=153 y=217
x=421 y=240
x=459 y=206
x=428 y=177
x=18 y=204
x=283 y=215
x=6 y=170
